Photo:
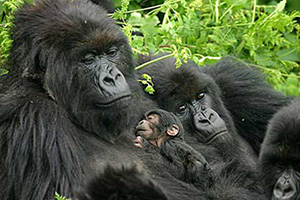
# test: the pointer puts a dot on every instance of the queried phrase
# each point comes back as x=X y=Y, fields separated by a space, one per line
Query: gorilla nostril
x=108 y=81
x=141 y=122
x=117 y=76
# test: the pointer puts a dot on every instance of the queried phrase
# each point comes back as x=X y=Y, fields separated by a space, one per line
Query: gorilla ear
x=173 y=131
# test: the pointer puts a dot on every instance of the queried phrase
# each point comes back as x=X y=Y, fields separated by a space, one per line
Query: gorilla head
x=279 y=156
x=80 y=58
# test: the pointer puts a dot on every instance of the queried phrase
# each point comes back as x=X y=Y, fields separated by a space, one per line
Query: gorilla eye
x=200 y=96
x=88 y=59
x=182 y=108
x=150 y=117
x=112 y=51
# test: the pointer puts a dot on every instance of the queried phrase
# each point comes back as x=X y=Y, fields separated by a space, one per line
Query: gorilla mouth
x=216 y=135
x=115 y=100
x=140 y=131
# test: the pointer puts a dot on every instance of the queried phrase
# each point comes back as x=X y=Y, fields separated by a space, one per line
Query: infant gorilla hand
x=143 y=143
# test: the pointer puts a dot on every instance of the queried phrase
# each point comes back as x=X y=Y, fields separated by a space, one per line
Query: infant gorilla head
x=158 y=125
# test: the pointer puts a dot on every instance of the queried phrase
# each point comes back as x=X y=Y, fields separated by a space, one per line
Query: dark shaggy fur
x=124 y=183
x=234 y=164
x=107 y=4
x=280 y=152
x=246 y=95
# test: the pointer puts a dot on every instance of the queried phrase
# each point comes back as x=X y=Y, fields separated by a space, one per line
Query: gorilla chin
x=123 y=99
x=219 y=137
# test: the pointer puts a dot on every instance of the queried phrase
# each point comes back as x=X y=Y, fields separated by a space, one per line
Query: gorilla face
x=195 y=98
x=279 y=156
x=83 y=61
x=198 y=113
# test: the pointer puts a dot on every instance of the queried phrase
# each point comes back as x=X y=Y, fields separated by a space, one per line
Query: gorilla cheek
x=209 y=125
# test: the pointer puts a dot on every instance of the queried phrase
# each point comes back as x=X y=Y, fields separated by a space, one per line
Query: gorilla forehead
x=285 y=125
x=66 y=23
x=183 y=83
x=283 y=134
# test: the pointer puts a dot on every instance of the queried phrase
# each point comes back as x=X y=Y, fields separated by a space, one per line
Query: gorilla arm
x=46 y=158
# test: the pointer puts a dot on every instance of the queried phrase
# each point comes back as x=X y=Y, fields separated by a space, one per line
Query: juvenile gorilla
x=163 y=130
x=68 y=102
x=279 y=157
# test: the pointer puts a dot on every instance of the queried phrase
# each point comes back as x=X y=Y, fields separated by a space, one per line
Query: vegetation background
x=262 y=32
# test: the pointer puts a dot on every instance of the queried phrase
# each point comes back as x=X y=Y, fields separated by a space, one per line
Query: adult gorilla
x=279 y=156
x=68 y=102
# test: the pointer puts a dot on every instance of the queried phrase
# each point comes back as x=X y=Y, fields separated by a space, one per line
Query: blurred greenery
x=267 y=36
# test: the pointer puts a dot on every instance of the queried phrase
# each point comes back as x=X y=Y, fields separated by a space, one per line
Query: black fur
x=182 y=160
x=234 y=163
x=126 y=183
x=107 y=4
x=244 y=92
x=279 y=157
x=246 y=95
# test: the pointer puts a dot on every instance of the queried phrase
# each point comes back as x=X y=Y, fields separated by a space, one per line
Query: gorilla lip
x=120 y=98
x=213 y=137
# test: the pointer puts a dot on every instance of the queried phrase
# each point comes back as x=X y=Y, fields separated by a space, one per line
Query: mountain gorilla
x=68 y=102
x=279 y=157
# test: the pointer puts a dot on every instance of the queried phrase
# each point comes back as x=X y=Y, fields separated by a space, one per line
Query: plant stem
x=153 y=61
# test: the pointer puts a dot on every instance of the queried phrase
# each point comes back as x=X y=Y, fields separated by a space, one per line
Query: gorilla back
x=67 y=102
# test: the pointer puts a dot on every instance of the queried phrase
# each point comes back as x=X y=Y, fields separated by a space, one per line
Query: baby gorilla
x=163 y=131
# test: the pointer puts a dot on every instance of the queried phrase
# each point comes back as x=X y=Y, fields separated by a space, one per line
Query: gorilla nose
x=141 y=122
x=284 y=190
x=109 y=81
x=112 y=83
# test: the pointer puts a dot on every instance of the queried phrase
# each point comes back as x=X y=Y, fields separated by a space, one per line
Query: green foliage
x=147 y=80
x=7 y=9
x=58 y=197
x=206 y=30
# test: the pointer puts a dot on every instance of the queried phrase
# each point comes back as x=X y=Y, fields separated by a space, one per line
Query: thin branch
x=153 y=61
